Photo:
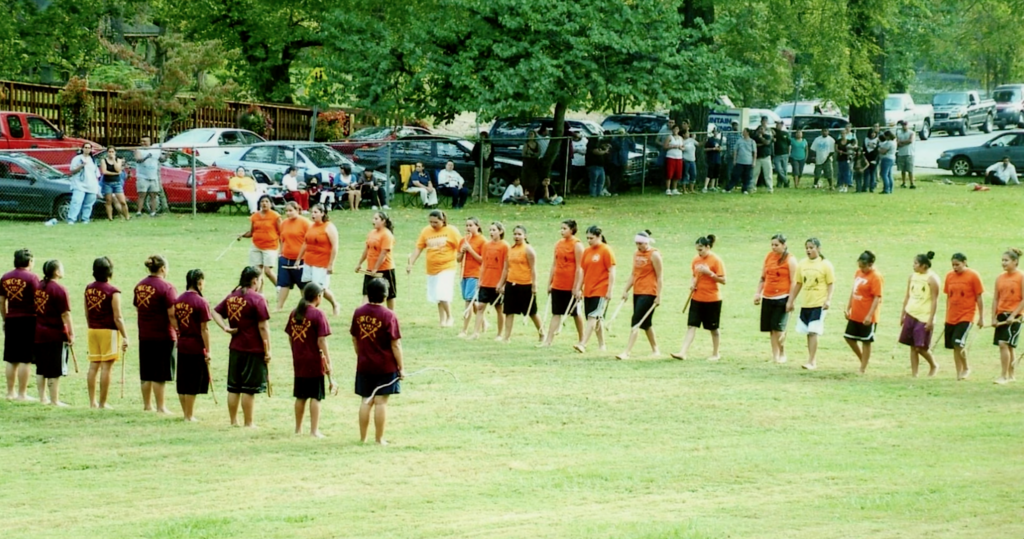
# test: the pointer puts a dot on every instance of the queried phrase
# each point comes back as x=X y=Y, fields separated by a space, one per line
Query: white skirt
x=441 y=287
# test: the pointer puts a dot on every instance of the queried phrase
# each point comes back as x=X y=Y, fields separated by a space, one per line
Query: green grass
x=551 y=443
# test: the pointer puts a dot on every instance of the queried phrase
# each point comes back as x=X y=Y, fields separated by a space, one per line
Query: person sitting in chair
x=292 y=191
x=367 y=187
x=243 y=184
x=1002 y=173
x=420 y=182
x=453 y=184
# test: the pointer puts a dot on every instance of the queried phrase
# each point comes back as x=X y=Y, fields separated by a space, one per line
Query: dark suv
x=641 y=123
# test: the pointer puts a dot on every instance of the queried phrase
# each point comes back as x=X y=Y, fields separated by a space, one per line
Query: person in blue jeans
x=871 y=143
x=844 y=156
x=112 y=186
x=85 y=185
x=744 y=153
x=596 y=152
x=886 y=160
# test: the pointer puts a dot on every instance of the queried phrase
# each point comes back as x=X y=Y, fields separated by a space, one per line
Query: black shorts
x=519 y=298
x=387 y=275
x=642 y=304
x=956 y=334
x=247 y=372
x=367 y=382
x=287 y=278
x=561 y=302
x=595 y=307
x=860 y=332
x=309 y=388
x=19 y=339
x=705 y=313
x=193 y=375
x=1007 y=333
x=51 y=359
x=156 y=361
x=488 y=296
x=773 y=314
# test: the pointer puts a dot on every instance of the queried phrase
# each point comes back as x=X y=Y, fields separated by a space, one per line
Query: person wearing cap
x=1002 y=173
x=905 y=139
x=781 y=153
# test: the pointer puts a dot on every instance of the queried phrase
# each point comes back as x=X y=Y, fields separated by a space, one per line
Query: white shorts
x=313 y=274
x=259 y=257
x=441 y=287
x=811 y=321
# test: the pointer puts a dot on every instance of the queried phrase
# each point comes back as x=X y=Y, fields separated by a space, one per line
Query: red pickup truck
x=36 y=136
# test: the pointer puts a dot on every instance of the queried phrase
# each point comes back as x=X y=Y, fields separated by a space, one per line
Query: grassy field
x=549 y=443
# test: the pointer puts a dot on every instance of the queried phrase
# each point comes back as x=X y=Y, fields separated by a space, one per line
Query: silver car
x=267 y=162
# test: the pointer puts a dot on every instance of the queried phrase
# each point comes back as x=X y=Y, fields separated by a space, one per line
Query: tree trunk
x=695 y=114
x=554 y=147
x=864 y=29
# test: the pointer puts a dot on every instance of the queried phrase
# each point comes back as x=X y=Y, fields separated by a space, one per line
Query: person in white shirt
x=689 y=148
x=147 y=177
x=824 y=148
x=886 y=160
x=1002 y=173
x=579 y=156
x=85 y=185
x=452 y=184
x=514 y=194
x=673 y=148
x=290 y=182
x=905 y=154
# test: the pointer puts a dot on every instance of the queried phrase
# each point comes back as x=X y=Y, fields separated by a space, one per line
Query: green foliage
x=118 y=74
x=975 y=37
x=256 y=120
x=76 y=104
x=332 y=126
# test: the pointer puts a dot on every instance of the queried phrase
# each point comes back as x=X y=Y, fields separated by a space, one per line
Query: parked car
x=901 y=107
x=816 y=122
x=958 y=112
x=268 y=161
x=373 y=136
x=28 y=185
x=787 y=111
x=509 y=134
x=964 y=161
x=1009 y=100
x=723 y=119
x=36 y=136
x=204 y=140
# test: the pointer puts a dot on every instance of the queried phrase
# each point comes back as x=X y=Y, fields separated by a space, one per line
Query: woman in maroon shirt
x=192 y=313
x=107 y=336
x=379 y=367
x=17 y=293
x=244 y=313
x=54 y=332
x=154 y=300
x=307 y=331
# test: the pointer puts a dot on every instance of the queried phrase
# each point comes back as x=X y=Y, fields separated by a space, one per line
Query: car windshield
x=38 y=168
x=788 y=110
x=372 y=133
x=322 y=156
x=181 y=160
x=893 y=103
x=955 y=98
x=192 y=136
x=1007 y=96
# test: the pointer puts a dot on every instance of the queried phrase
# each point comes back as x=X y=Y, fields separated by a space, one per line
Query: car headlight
x=945 y=155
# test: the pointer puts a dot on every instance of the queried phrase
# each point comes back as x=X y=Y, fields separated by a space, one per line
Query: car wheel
x=961 y=166
x=61 y=208
x=210 y=207
x=497 y=186
x=963 y=130
x=987 y=126
x=926 y=130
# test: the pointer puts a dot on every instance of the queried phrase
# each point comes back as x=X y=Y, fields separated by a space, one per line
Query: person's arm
x=301 y=255
x=396 y=349
x=871 y=312
x=222 y=324
x=472 y=252
x=611 y=283
x=629 y=284
x=720 y=279
x=65 y=317
x=551 y=274
x=995 y=305
x=828 y=298
x=577 y=282
x=115 y=305
x=981 y=312
x=332 y=236
x=793 y=292
x=933 y=289
x=172 y=318
x=362 y=257
x=384 y=254
x=412 y=259
x=3 y=309
x=658 y=275
x=81 y=164
x=760 y=288
x=531 y=259
x=205 y=332
x=906 y=299
x=247 y=233
x=504 y=274
x=264 y=327
x=321 y=342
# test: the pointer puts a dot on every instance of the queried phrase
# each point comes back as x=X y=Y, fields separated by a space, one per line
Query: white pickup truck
x=900 y=107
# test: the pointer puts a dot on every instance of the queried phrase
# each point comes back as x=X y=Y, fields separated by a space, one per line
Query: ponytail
x=245 y=279
x=595 y=230
x=707 y=241
x=50 y=270
x=817 y=245
x=192 y=279
x=781 y=238
x=309 y=294
x=387 y=221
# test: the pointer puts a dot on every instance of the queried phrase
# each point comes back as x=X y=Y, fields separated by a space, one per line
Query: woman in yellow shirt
x=520 y=283
x=441 y=243
x=918 y=317
x=244 y=185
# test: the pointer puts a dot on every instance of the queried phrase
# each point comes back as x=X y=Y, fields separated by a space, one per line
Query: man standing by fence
x=147 y=177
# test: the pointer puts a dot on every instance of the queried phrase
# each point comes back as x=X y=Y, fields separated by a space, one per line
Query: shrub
x=256 y=120
x=76 y=106
x=332 y=125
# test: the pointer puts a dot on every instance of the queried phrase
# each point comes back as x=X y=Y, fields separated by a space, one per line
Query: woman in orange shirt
x=566 y=277
x=705 y=301
x=470 y=258
x=318 y=252
x=1006 y=309
x=265 y=231
x=293 y=235
x=520 y=283
x=492 y=272
x=377 y=254
x=777 y=278
x=441 y=243
x=646 y=282
x=862 y=308
x=598 y=265
x=963 y=291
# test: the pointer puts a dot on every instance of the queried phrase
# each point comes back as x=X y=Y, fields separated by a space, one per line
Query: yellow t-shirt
x=244 y=184
x=919 y=304
x=814 y=277
x=441 y=246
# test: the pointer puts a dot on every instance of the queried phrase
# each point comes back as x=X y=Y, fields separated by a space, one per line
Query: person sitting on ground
x=290 y=182
x=546 y=194
x=420 y=182
x=245 y=185
x=514 y=194
x=1002 y=173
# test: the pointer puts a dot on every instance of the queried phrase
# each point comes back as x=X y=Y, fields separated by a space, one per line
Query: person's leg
x=592 y=182
x=94 y=368
x=24 y=374
x=252 y=199
x=932 y=365
x=122 y=206
x=188 y=403
x=865 y=356
x=599 y=331
x=364 y=418
x=629 y=344
x=556 y=321
x=965 y=369
x=11 y=371
x=105 y=368
x=855 y=346
x=749 y=177
x=588 y=330
x=379 y=417
x=282 y=296
x=270 y=274
x=41 y=389
x=715 y=340
x=314 y=418
x=509 y=323
x=147 y=390
x=248 y=403
x=691 y=332
x=158 y=395
x=233 y=399
x=140 y=202
x=812 y=351
x=77 y=197
x=818 y=169
x=776 y=352
x=653 y=341
x=108 y=201
x=914 y=361
x=300 y=410
x=335 y=306
x=88 y=202
x=54 y=386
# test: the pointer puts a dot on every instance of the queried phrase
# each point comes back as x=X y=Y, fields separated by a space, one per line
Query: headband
x=640 y=238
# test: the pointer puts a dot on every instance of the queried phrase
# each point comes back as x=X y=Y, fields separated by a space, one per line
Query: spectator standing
x=421 y=183
x=112 y=187
x=618 y=158
x=871 y=142
x=531 y=161
x=824 y=148
x=482 y=157
x=689 y=162
x=845 y=150
x=85 y=185
x=798 y=156
x=664 y=133
x=905 y=139
x=780 y=154
x=732 y=137
x=147 y=177
x=743 y=154
x=886 y=160
x=579 y=156
x=452 y=184
x=543 y=140
x=765 y=146
x=1002 y=173
x=673 y=148
x=596 y=152
x=713 y=157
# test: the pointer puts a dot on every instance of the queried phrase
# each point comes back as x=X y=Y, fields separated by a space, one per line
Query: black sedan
x=27 y=185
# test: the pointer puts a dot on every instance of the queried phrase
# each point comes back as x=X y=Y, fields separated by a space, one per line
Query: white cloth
x=147 y=164
x=675 y=147
x=426 y=197
x=441 y=287
x=290 y=183
x=904 y=135
x=512 y=191
x=823 y=147
x=689 y=152
x=313 y=274
x=86 y=180
x=450 y=178
x=1006 y=173
x=579 y=152
x=543 y=142
x=870 y=144
x=887 y=150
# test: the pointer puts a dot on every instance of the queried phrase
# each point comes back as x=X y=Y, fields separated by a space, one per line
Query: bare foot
x=106 y=406
x=499 y=338
x=622 y=356
x=382 y=442
x=809 y=366
x=1000 y=381
x=579 y=348
x=782 y=359
x=44 y=401
x=680 y=356
x=461 y=335
x=931 y=371
x=10 y=396
x=164 y=411
x=336 y=310
x=544 y=345
x=602 y=348
x=474 y=336
x=251 y=426
x=93 y=405
x=714 y=358
x=316 y=434
x=655 y=353
x=235 y=424
x=27 y=398
x=965 y=374
x=58 y=404
x=147 y=408
x=191 y=419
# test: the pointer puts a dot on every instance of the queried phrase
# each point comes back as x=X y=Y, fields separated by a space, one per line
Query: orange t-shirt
x=441 y=246
x=707 y=288
x=597 y=263
x=1008 y=288
x=962 y=291
x=565 y=264
x=866 y=287
x=293 y=234
x=645 y=281
x=377 y=242
x=776 y=275
x=518 y=266
x=318 y=246
x=494 y=254
x=470 y=265
x=264 y=230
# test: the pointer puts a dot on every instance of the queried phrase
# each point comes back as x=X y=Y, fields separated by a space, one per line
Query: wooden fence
x=116 y=123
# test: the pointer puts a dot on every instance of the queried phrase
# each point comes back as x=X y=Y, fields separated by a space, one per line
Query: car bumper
x=948 y=125
x=1007 y=116
x=943 y=162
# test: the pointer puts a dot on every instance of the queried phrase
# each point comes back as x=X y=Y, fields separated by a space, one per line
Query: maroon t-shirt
x=244 y=309
x=19 y=287
x=374 y=327
x=191 y=310
x=99 y=305
x=303 y=336
x=153 y=297
x=51 y=303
